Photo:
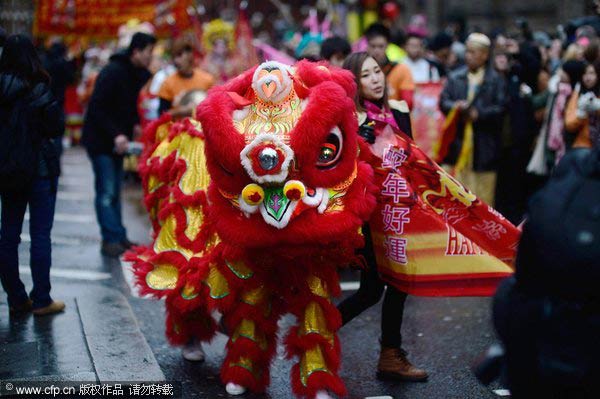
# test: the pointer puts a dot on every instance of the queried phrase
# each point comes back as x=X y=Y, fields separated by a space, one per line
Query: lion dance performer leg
x=254 y=207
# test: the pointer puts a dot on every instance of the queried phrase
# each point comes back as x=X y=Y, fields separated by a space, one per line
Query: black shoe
x=128 y=244
x=112 y=249
x=21 y=308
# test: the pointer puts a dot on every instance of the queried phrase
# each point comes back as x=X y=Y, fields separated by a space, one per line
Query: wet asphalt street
x=109 y=334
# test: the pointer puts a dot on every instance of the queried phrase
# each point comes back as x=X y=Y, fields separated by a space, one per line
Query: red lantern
x=390 y=10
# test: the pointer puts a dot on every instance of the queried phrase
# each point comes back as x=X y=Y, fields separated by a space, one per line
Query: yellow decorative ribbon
x=466 y=151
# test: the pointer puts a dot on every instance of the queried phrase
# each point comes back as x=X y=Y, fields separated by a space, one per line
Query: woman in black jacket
x=25 y=92
x=376 y=114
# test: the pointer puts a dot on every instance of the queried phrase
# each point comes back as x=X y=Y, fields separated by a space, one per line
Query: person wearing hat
x=477 y=94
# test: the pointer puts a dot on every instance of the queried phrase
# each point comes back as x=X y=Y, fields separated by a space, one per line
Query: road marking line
x=502 y=392
x=70 y=218
x=71 y=273
x=350 y=285
x=70 y=196
x=55 y=240
x=77 y=180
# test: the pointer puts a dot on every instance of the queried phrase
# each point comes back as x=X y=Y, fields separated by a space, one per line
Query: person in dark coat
x=25 y=85
x=61 y=70
x=2 y=39
x=520 y=129
x=478 y=94
x=107 y=129
x=62 y=74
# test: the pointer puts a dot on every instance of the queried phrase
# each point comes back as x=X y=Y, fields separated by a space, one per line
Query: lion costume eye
x=331 y=149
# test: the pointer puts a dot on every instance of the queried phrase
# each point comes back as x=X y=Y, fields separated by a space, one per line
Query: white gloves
x=587 y=103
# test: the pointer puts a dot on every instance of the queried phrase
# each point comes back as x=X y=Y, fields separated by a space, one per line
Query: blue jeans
x=41 y=200
x=108 y=171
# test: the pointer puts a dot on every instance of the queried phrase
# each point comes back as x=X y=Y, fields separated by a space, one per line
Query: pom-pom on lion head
x=282 y=151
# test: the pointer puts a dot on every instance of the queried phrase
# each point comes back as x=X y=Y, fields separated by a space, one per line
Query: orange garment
x=176 y=85
x=576 y=125
x=401 y=85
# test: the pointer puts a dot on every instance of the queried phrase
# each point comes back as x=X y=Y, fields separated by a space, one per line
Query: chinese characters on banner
x=431 y=235
x=394 y=217
x=102 y=18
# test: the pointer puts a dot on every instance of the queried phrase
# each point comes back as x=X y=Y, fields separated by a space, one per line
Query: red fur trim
x=247 y=348
x=317 y=381
x=181 y=327
x=223 y=142
x=311 y=74
x=328 y=107
x=241 y=311
x=238 y=100
x=241 y=83
x=241 y=376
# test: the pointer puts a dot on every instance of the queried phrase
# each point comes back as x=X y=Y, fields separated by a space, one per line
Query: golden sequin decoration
x=247 y=329
x=233 y=198
x=266 y=117
x=154 y=184
x=162 y=277
x=189 y=292
x=163 y=131
x=317 y=286
x=166 y=240
x=314 y=322
x=216 y=283
x=255 y=296
x=195 y=177
x=194 y=220
x=240 y=269
x=343 y=186
x=246 y=363
x=166 y=147
x=312 y=361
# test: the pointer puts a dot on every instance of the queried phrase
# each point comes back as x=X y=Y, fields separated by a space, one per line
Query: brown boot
x=54 y=307
x=393 y=365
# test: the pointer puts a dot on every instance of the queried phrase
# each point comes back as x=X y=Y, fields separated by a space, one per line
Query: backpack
x=19 y=151
x=548 y=314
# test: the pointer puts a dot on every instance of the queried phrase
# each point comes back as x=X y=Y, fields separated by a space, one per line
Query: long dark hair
x=354 y=63
x=20 y=58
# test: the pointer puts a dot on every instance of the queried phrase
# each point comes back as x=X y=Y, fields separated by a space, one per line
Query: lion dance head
x=282 y=152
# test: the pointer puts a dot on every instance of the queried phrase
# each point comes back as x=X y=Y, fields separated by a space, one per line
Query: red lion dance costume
x=262 y=233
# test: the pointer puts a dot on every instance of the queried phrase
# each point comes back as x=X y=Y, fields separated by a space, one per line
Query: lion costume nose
x=267 y=159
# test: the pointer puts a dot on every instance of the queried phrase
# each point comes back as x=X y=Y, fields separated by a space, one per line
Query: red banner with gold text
x=102 y=18
x=431 y=235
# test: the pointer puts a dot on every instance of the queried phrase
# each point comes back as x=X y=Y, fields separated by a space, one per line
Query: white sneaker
x=193 y=352
x=322 y=395
x=234 y=389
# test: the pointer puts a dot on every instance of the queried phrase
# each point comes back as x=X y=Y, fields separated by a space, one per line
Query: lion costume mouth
x=278 y=205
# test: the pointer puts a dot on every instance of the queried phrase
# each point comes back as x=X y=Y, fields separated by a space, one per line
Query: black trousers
x=370 y=292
